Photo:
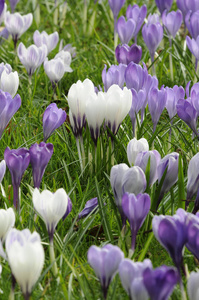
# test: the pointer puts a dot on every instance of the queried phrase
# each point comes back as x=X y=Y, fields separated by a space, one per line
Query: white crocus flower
x=7 y=221
x=134 y=147
x=26 y=258
x=9 y=82
x=192 y=286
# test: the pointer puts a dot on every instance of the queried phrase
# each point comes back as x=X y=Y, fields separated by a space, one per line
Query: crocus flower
x=117 y=173
x=160 y=282
x=7 y=221
x=51 y=207
x=9 y=82
x=187 y=113
x=172 y=21
x=114 y=75
x=54 y=69
x=77 y=98
x=136 y=209
x=192 y=23
x=88 y=208
x=95 y=113
x=17 y=161
x=43 y=38
x=192 y=5
x=118 y=104
x=125 y=54
x=115 y=6
x=134 y=147
x=13 y=4
x=17 y=24
x=182 y=6
x=193 y=177
x=8 y=108
x=173 y=95
x=39 y=158
x=65 y=56
x=2 y=169
x=134 y=181
x=138 y=103
x=170 y=161
x=152 y=34
x=194 y=96
x=142 y=160
x=156 y=103
x=125 y=29
x=192 y=286
x=193 y=45
x=131 y=276
x=193 y=236
x=138 y=14
x=4 y=34
x=163 y=4
x=26 y=258
x=172 y=234
x=53 y=118
x=105 y=262
x=68 y=210
x=31 y=57
x=3 y=8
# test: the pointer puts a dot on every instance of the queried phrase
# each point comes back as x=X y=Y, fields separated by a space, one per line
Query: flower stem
x=83 y=152
x=12 y=291
x=52 y=258
x=170 y=60
x=79 y=154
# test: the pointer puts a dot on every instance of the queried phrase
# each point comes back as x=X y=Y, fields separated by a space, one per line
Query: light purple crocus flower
x=53 y=118
x=193 y=235
x=152 y=34
x=3 y=8
x=156 y=103
x=134 y=181
x=193 y=177
x=172 y=22
x=172 y=234
x=2 y=169
x=39 y=158
x=17 y=161
x=192 y=23
x=88 y=208
x=105 y=262
x=17 y=24
x=4 y=34
x=13 y=4
x=114 y=75
x=31 y=57
x=182 y=6
x=125 y=29
x=54 y=69
x=136 y=209
x=68 y=210
x=125 y=54
x=193 y=45
x=138 y=14
x=115 y=6
x=142 y=160
x=8 y=108
x=138 y=103
x=170 y=161
x=131 y=276
x=187 y=113
x=192 y=5
x=173 y=95
x=43 y=38
x=160 y=282
x=163 y=4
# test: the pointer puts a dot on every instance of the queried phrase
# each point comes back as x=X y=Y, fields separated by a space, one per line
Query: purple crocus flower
x=193 y=45
x=187 y=113
x=131 y=276
x=88 y=208
x=160 y=282
x=136 y=209
x=17 y=161
x=50 y=41
x=115 y=6
x=8 y=108
x=142 y=159
x=4 y=34
x=39 y=158
x=173 y=95
x=3 y=8
x=2 y=169
x=193 y=235
x=192 y=23
x=138 y=103
x=125 y=54
x=31 y=57
x=13 y=4
x=182 y=6
x=192 y=5
x=114 y=75
x=193 y=177
x=105 y=262
x=172 y=22
x=170 y=161
x=68 y=210
x=125 y=29
x=163 y=4
x=156 y=103
x=192 y=286
x=172 y=234
x=53 y=118
x=152 y=34
x=138 y=14
x=194 y=95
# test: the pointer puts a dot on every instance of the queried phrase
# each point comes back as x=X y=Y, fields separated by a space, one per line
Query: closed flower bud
x=7 y=221
x=50 y=41
x=115 y=6
x=9 y=82
x=138 y=14
x=125 y=29
x=163 y=4
x=134 y=181
x=2 y=169
x=192 y=286
x=114 y=75
x=125 y=54
x=134 y=147
x=192 y=23
x=172 y=21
